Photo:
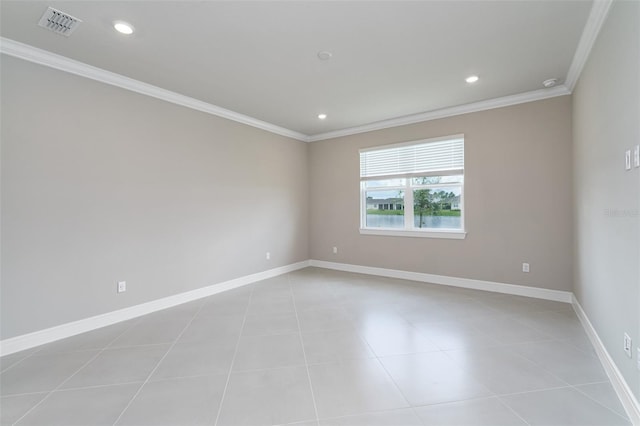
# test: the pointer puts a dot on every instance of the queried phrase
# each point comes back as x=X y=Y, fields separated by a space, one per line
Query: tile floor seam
x=304 y=353
x=34 y=352
x=564 y=387
x=288 y=333
x=70 y=377
x=626 y=417
x=233 y=360
x=535 y=390
x=410 y=406
x=279 y=367
x=16 y=363
x=537 y=365
x=474 y=399
x=503 y=395
x=191 y=376
x=146 y=345
x=388 y=410
x=599 y=382
x=157 y=365
x=504 y=403
x=536 y=328
x=23 y=394
x=546 y=370
x=100 y=386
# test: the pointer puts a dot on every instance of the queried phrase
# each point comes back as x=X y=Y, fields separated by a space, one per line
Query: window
x=413 y=189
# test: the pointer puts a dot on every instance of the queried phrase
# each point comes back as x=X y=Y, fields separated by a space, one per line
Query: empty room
x=374 y=213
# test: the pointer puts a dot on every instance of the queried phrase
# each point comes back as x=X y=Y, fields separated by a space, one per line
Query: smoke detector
x=59 y=22
x=550 y=83
x=324 y=55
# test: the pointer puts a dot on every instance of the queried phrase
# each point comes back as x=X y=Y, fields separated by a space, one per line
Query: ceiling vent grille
x=59 y=22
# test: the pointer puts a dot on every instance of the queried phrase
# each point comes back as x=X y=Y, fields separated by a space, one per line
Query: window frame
x=409 y=229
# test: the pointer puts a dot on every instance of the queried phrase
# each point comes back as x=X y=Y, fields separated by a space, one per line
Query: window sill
x=449 y=234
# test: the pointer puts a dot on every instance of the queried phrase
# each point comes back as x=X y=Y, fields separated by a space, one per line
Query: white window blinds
x=435 y=157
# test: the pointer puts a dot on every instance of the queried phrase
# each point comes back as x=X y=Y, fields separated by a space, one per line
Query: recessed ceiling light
x=550 y=82
x=324 y=55
x=123 y=27
x=472 y=79
x=322 y=116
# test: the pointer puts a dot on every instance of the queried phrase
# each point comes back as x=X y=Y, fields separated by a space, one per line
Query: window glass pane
x=383 y=183
x=385 y=209
x=437 y=208
x=430 y=180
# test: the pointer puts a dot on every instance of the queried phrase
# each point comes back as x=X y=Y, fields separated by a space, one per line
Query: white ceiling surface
x=390 y=59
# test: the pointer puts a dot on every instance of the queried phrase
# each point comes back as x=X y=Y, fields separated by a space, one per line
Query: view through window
x=413 y=187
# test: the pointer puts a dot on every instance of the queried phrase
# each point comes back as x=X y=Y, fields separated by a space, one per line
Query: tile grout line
x=304 y=353
x=537 y=364
x=569 y=386
x=38 y=351
x=158 y=364
x=504 y=403
x=233 y=360
x=566 y=384
x=543 y=368
x=411 y=407
x=389 y=410
x=72 y=375
x=377 y=358
x=19 y=361
x=598 y=402
x=504 y=395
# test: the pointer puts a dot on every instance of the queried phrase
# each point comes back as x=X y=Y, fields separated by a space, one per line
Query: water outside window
x=385 y=209
x=437 y=208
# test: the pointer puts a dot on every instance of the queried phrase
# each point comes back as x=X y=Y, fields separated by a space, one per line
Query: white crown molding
x=628 y=400
x=597 y=16
x=40 y=337
x=504 y=101
x=62 y=63
x=518 y=290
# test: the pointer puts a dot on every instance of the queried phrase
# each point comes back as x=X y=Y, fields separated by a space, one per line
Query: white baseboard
x=30 y=340
x=628 y=400
x=518 y=290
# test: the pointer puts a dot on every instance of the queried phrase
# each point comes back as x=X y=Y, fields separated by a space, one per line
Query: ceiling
x=389 y=59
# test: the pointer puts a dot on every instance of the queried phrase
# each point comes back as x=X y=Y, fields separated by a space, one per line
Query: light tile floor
x=319 y=347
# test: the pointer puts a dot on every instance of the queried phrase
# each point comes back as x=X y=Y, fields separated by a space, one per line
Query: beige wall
x=101 y=184
x=517 y=199
x=606 y=116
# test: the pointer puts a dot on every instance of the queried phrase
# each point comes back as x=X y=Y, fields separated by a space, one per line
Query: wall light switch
x=627 y=159
x=627 y=345
x=636 y=156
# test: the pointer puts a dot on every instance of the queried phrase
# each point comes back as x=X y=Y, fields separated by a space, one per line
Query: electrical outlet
x=525 y=267
x=627 y=345
x=627 y=159
x=122 y=286
x=268 y=256
x=335 y=250
x=636 y=156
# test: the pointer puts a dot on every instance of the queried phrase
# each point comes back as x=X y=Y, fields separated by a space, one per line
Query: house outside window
x=413 y=189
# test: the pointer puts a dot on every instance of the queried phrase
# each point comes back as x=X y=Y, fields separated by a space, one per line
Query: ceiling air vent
x=59 y=22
